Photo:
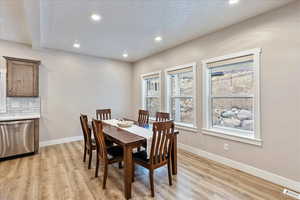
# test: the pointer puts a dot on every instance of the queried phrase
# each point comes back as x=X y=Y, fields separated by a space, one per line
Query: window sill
x=181 y=126
x=186 y=127
x=232 y=136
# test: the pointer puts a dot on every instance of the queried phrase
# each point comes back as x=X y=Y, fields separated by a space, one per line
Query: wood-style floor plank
x=58 y=173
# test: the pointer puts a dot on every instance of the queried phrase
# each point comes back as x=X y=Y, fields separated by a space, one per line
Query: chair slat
x=143 y=118
x=162 y=116
x=103 y=114
x=163 y=132
x=100 y=139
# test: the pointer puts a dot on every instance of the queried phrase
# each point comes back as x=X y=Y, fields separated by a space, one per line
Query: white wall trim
x=60 y=141
x=274 y=178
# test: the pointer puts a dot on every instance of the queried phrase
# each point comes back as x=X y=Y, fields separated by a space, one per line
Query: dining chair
x=103 y=114
x=89 y=143
x=108 y=155
x=143 y=118
x=162 y=142
x=162 y=117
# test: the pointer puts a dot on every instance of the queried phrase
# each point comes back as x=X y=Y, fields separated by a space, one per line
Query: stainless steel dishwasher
x=17 y=137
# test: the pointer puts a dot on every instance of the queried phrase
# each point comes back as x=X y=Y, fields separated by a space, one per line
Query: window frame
x=231 y=133
x=188 y=126
x=143 y=85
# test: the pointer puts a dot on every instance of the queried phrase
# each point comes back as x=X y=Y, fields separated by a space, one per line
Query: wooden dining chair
x=89 y=143
x=143 y=118
x=103 y=114
x=162 y=142
x=108 y=155
x=162 y=117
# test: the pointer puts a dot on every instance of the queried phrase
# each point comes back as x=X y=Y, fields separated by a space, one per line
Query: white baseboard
x=60 y=141
x=274 y=178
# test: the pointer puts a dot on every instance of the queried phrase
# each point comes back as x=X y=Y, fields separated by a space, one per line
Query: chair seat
x=115 y=152
x=141 y=156
x=109 y=143
x=92 y=146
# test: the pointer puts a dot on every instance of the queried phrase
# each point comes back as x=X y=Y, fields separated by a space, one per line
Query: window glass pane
x=182 y=84
x=152 y=87
x=152 y=105
x=182 y=110
x=233 y=80
x=233 y=113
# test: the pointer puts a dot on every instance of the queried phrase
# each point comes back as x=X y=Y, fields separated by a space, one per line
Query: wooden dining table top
x=120 y=135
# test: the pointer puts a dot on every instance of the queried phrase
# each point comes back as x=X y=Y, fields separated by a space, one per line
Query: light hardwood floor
x=59 y=173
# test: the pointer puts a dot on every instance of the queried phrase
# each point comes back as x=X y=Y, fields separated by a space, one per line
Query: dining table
x=130 y=140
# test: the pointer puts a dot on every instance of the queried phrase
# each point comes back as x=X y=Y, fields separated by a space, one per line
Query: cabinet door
x=22 y=79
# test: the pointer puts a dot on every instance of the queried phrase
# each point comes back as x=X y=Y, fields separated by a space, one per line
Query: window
x=231 y=96
x=151 y=93
x=2 y=91
x=181 y=94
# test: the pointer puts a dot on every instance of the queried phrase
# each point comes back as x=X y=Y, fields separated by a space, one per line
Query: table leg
x=174 y=156
x=127 y=171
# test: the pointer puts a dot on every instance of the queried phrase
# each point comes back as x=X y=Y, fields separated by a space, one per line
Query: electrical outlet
x=226 y=146
x=291 y=193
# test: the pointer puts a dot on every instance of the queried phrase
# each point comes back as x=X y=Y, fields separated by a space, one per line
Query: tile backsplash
x=16 y=106
x=2 y=91
x=22 y=107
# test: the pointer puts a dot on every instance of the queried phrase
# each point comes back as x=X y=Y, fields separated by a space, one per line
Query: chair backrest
x=163 y=134
x=103 y=114
x=99 y=138
x=143 y=118
x=85 y=129
x=162 y=116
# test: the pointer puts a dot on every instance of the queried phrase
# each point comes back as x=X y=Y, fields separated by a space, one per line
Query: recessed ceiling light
x=76 y=45
x=125 y=55
x=158 y=38
x=95 y=17
x=233 y=1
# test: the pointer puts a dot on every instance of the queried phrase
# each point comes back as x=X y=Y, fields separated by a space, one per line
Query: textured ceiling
x=126 y=26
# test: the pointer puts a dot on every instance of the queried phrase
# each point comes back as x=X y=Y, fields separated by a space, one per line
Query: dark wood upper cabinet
x=22 y=77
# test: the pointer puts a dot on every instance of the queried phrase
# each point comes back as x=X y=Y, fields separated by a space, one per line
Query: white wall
x=278 y=34
x=71 y=84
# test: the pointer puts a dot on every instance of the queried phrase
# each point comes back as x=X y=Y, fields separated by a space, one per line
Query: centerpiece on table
x=125 y=124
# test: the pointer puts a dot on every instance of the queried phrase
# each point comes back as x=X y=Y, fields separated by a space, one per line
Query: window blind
x=182 y=70
x=151 y=76
x=231 y=61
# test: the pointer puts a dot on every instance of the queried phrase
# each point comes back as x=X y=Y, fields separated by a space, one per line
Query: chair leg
x=120 y=165
x=133 y=166
x=169 y=172
x=84 y=154
x=97 y=167
x=151 y=182
x=90 y=158
x=105 y=175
